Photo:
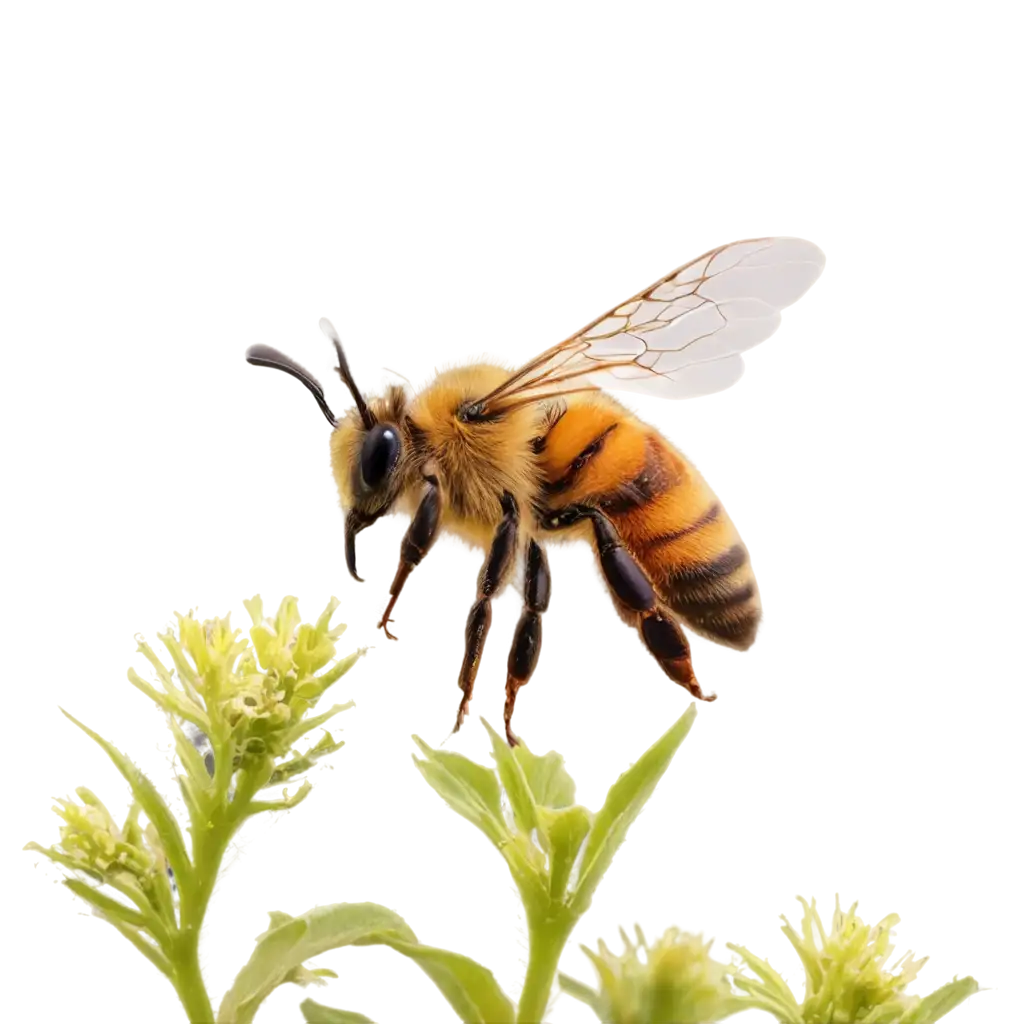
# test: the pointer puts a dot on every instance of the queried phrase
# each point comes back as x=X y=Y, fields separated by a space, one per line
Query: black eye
x=379 y=454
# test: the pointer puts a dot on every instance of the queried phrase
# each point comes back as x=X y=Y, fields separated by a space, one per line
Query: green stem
x=547 y=940
x=208 y=849
x=188 y=980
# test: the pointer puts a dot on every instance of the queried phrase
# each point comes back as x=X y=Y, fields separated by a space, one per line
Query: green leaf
x=471 y=989
x=173 y=702
x=162 y=898
x=144 y=946
x=584 y=993
x=286 y=803
x=107 y=907
x=148 y=915
x=338 y=669
x=289 y=942
x=942 y=1000
x=565 y=830
x=152 y=803
x=275 y=956
x=303 y=742
x=472 y=791
x=67 y=862
x=468 y=788
x=315 y=1013
x=624 y=802
x=520 y=797
x=476 y=780
x=550 y=784
x=196 y=783
x=128 y=922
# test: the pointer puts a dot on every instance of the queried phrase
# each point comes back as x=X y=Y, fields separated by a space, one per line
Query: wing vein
x=696 y=320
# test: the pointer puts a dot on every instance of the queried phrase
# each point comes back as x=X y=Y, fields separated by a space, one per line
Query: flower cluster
x=90 y=840
x=675 y=980
x=847 y=977
x=253 y=699
x=237 y=708
x=846 y=968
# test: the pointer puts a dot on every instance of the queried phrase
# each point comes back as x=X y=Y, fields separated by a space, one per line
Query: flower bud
x=675 y=980
x=91 y=841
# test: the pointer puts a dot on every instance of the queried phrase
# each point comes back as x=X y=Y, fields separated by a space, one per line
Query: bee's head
x=366 y=446
x=368 y=464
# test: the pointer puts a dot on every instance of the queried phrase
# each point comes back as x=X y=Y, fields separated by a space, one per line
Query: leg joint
x=522 y=659
x=605 y=534
x=479 y=622
x=423 y=529
x=628 y=581
x=538 y=579
x=663 y=637
x=412 y=553
x=509 y=506
x=562 y=518
x=503 y=547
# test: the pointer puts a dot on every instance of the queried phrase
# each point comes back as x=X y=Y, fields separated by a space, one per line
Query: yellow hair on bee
x=477 y=462
x=346 y=439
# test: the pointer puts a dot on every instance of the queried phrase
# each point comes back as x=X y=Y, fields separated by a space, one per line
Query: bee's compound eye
x=379 y=454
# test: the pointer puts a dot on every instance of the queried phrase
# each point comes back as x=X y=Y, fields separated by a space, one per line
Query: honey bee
x=507 y=460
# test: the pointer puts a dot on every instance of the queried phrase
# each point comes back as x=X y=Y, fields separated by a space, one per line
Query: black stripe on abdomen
x=568 y=479
x=657 y=476
x=706 y=598
x=662 y=539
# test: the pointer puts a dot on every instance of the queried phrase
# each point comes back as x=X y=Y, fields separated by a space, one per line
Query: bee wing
x=683 y=336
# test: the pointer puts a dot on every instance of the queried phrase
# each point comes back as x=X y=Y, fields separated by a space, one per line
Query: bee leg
x=492 y=576
x=635 y=596
x=522 y=659
x=417 y=541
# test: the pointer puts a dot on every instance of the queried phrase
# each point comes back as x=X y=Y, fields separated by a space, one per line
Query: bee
x=510 y=459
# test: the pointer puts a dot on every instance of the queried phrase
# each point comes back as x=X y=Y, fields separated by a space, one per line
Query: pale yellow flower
x=674 y=981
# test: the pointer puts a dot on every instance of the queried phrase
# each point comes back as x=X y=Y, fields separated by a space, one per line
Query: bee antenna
x=369 y=420
x=260 y=355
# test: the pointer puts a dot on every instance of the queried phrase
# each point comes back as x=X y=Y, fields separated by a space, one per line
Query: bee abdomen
x=717 y=597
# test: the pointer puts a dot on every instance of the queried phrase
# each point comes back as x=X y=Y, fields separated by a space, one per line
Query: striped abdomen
x=598 y=454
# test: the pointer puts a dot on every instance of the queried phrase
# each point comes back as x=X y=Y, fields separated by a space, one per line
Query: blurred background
x=450 y=181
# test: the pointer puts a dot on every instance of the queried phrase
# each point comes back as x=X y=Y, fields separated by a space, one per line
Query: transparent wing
x=683 y=336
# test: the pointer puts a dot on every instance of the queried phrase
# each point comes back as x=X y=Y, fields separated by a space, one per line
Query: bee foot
x=698 y=694
x=383 y=624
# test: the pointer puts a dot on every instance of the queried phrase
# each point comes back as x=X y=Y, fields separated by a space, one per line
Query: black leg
x=635 y=597
x=492 y=576
x=522 y=659
x=416 y=543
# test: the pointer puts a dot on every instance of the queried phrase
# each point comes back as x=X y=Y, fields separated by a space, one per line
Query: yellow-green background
x=173 y=182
